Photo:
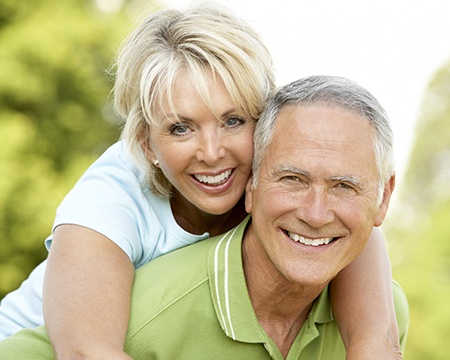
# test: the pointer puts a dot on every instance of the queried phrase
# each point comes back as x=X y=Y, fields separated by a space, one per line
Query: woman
x=191 y=86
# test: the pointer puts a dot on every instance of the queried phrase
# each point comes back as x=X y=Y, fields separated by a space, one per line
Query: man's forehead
x=322 y=124
x=324 y=136
x=298 y=112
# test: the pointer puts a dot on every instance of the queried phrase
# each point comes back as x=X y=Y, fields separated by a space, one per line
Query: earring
x=156 y=163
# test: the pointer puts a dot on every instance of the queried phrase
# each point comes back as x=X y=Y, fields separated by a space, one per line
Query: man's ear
x=383 y=208
x=249 y=195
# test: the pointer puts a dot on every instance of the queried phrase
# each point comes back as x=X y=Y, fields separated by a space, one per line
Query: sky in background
x=391 y=47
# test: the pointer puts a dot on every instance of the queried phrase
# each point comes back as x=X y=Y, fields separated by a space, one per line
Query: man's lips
x=309 y=241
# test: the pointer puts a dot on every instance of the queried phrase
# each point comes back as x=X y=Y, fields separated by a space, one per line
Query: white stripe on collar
x=226 y=321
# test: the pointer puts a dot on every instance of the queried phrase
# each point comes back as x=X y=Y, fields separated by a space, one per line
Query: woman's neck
x=196 y=221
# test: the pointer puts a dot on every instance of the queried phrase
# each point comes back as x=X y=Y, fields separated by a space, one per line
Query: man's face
x=316 y=199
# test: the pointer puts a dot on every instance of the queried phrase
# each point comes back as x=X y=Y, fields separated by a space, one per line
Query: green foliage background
x=56 y=115
x=419 y=227
x=56 y=118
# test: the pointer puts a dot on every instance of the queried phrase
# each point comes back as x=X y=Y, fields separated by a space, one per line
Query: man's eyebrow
x=348 y=179
x=285 y=168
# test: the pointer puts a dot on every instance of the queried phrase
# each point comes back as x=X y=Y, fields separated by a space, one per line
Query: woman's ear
x=146 y=149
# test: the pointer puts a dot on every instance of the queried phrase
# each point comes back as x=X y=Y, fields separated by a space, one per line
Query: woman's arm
x=363 y=306
x=86 y=297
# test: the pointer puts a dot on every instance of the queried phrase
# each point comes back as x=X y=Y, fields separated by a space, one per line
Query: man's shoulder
x=172 y=276
x=175 y=267
x=178 y=281
x=170 y=286
x=190 y=260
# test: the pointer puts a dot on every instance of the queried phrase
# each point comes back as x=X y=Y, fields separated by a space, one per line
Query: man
x=323 y=177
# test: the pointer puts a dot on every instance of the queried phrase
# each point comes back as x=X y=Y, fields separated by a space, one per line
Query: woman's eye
x=233 y=121
x=179 y=129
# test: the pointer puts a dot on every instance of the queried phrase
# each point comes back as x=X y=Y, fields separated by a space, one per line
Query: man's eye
x=179 y=129
x=291 y=178
x=345 y=186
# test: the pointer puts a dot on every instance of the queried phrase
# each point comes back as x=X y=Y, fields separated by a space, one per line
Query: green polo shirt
x=193 y=304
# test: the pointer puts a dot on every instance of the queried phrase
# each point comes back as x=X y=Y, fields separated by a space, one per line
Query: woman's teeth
x=308 y=241
x=214 y=180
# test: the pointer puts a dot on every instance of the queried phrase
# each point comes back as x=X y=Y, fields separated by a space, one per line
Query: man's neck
x=281 y=306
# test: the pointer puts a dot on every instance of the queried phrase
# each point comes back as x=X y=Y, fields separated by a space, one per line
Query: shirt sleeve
x=22 y=308
x=109 y=199
x=402 y=313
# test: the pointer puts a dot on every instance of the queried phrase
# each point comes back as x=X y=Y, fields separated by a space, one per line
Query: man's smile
x=309 y=241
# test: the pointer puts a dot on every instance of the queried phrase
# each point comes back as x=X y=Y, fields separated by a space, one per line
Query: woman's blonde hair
x=206 y=38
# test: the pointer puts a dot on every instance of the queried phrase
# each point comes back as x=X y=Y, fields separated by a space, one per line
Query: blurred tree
x=419 y=229
x=56 y=114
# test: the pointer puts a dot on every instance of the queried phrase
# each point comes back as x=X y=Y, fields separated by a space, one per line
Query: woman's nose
x=210 y=148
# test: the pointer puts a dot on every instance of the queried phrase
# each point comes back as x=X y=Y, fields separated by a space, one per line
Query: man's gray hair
x=329 y=91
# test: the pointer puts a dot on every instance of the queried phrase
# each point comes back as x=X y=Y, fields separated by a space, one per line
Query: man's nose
x=316 y=208
x=210 y=147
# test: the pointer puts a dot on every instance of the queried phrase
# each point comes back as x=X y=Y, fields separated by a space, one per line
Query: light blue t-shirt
x=111 y=198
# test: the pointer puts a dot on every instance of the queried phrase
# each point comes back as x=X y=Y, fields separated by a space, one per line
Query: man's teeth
x=214 y=180
x=308 y=241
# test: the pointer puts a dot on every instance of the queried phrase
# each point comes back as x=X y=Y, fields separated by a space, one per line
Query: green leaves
x=56 y=116
x=418 y=230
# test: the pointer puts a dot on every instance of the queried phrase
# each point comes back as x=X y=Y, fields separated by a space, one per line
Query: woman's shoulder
x=118 y=161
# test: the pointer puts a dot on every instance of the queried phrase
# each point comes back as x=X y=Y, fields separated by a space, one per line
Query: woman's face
x=208 y=160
